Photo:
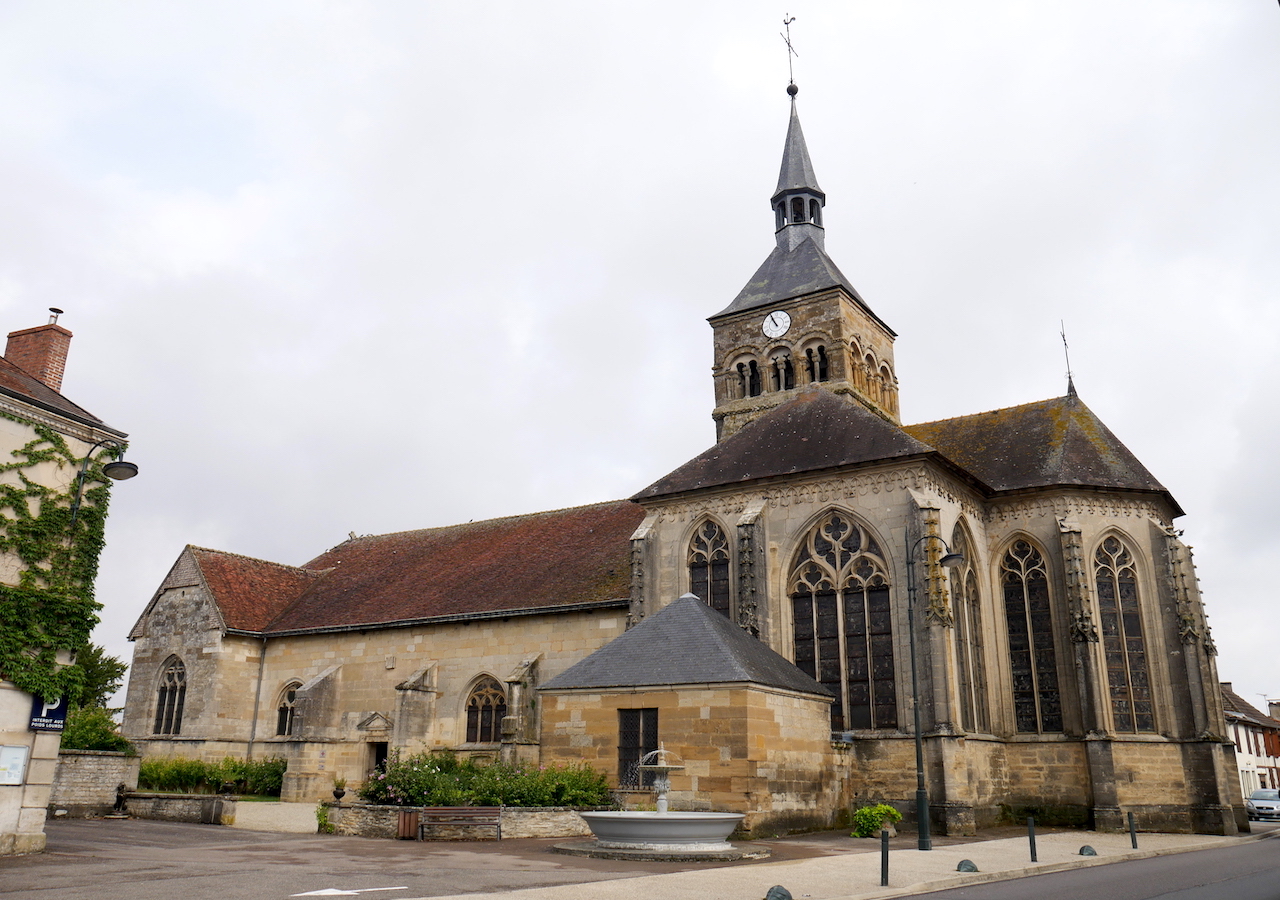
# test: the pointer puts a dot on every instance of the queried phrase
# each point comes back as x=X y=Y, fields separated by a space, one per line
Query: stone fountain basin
x=636 y=829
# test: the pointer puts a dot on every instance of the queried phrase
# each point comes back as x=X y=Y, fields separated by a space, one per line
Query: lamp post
x=116 y=469
x=950 y=560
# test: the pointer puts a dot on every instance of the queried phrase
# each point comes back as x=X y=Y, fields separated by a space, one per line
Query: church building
x=757 y=611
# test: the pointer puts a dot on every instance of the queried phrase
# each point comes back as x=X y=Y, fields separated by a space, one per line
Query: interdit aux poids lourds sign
x=48 y=716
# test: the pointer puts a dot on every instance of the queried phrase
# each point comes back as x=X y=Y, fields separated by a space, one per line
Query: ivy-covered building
x=53 y=504
x=1065 y=664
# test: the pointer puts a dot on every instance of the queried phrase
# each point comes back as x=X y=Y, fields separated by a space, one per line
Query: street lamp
x=116 y=470
x=950 y=560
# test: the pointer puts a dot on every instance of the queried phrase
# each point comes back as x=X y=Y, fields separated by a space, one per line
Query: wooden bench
x=486 y=816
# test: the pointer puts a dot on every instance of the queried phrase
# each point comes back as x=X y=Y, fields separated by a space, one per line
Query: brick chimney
x=41 y=352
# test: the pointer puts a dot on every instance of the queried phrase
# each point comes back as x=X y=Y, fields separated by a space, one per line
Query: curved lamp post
x=949 y=560
x=117 y=470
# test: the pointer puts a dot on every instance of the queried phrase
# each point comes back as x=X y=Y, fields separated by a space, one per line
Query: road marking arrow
x=334 y=892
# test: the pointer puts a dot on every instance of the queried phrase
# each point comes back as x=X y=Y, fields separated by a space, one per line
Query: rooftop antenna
x=53 y=319
x=791 y=52
x=1066 y=352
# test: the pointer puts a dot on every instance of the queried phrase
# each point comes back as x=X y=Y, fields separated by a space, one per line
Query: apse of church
x=1065 y=663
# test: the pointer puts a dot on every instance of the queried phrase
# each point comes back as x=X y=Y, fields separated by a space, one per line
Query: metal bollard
x=884 y=859
x=1133 y=832
x=1031 y=835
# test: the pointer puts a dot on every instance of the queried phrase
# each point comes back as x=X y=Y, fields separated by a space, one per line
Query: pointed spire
x=797 y=201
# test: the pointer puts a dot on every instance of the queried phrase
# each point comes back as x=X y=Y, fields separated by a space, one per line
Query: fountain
x=643 y=834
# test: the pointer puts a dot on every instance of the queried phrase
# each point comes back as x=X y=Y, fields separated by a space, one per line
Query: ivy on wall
x=52 y=607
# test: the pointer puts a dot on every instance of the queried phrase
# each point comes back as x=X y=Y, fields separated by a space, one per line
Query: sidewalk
x=856 y=875
x=285 y=818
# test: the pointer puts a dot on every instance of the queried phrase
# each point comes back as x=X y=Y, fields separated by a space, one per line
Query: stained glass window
x=1122 y=641
x=1037 y=703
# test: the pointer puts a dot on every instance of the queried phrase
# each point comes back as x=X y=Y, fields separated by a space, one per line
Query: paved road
x=1250 y=871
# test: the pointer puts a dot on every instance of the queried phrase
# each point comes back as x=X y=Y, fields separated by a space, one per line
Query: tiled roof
x=1235 y=705
x=17 y=383
x=546 y=559
x=250 y=592
x=1051 y=443
x=685 y=642
x=814 y=430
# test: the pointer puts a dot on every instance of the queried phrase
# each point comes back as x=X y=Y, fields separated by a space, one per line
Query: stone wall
x=85 y=781
x=517 y=822
x=203 y=809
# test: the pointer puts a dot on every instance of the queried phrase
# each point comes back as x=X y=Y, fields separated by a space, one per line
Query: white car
x=1264 y=804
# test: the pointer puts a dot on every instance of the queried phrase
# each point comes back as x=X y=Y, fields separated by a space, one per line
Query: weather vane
x=1071 y=388
x=791 y=51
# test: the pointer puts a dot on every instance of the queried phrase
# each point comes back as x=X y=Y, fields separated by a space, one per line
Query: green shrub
x=868 y=820
x=92 y=728
x=441 y=779
x=175 y=773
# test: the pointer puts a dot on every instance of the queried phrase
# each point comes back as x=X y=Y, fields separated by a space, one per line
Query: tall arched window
x=842 y=622
x=1122 y=640
x=486 y=708
x=709 y=566
x=1037 y=704
x=170 y=697
x=967 y=606
x=286 y=709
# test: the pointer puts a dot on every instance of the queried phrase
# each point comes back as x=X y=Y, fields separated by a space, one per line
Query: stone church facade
x=1065 y=665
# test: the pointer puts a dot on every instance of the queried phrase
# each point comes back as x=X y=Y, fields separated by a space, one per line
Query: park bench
x=485 y=816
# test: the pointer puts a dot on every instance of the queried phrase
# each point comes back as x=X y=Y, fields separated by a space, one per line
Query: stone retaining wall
x=84 y=783
x=517 y=822
x=204 y=809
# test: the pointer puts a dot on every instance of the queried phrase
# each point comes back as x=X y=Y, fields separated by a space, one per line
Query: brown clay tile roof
x=814 y=430
x=1240 y=708
x=250 y=592
x=17 y=383
x=545 y=559
x=1051 y=443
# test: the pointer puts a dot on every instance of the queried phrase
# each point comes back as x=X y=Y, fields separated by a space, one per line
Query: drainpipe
x=257 y=699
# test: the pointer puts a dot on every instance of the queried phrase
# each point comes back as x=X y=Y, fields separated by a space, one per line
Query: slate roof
x=787 y=274
x=814 y=430
x=17 y=383
x=542 y=560
x=684 y=643
x=1051 y=443
x=797 y=172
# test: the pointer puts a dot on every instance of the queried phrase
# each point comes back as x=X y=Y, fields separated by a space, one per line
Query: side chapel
x=1065 y=664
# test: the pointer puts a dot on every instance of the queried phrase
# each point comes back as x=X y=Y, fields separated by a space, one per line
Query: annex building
x=1065 y=665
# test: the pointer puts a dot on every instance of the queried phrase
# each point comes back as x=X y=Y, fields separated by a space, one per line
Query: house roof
x=685 y=642
x=1050 y=443
x=814 y=430
x=17 y=383
x=1237 y=707
x=548 y=559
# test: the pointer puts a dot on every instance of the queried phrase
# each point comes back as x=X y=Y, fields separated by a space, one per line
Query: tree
x=103 y=676
x=91 y=728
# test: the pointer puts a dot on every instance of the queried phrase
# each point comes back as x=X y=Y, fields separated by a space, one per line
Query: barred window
x=967 y=606
x=170 y=697
x=1037 y=704
x=842 y=622
x=1122 y=641
x=709 y=567
x=486 y=708
x=637 y=735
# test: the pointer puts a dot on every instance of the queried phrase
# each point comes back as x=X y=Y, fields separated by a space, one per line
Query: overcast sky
x=374 y=266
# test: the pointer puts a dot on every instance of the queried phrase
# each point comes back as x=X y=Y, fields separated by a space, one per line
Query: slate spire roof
x=797 y=170
x=685 y=642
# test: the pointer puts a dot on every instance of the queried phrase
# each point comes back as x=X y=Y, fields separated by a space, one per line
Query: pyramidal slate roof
x=686 y=642
x=786 y=274
x=814 y=430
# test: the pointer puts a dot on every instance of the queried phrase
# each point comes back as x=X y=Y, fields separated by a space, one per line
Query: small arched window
x=170 y=697
x=1037 y=705
x=797 y=210
x=815 y=212
x=785 y=373
x=486 y=708
x=755 y=386
x=709 y=566
x=1122 y=639
x=286 y=709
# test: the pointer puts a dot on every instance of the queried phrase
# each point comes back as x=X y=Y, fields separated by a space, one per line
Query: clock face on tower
x=776 y=324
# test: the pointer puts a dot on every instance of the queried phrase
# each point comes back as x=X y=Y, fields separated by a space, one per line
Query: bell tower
x=799 y=322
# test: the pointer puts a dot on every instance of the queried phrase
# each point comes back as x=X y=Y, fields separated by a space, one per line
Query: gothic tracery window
x=1122 y=642
x=486 y=708
x=286 y=710
x=1037 y=703
x=170 y=697
x=842 y=622
x=709 y=566
x=967 y=606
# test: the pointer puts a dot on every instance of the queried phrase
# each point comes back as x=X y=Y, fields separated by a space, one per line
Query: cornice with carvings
x=1066 y=505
